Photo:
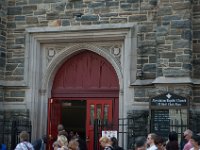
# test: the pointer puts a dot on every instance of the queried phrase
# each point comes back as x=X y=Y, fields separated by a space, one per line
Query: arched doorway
x=84 y=88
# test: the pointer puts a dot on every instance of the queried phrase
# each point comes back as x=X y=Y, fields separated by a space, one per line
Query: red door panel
x=54 y=118
x=97 y=109
x=85 y=71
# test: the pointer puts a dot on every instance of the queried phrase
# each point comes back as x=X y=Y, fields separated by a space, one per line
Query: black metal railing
x=128 y=129
x=10 y=130
x=5 y=132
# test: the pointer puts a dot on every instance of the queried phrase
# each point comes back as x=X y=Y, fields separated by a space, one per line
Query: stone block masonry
x=165 y=21
x=196 y=57
x=14 y=95
x=168 y=45
x=196 y=39
x=64 y=13
x=174 y=28
x=3 y=34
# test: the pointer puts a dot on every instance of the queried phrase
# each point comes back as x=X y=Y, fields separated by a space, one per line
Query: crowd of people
x=72 y=141
x=64 y=141
x=156 y=142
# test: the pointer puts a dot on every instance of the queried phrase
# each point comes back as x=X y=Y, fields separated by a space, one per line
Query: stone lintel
x=13 y=105
x=142 y=82
x=79 y=28
x=15 y=84
x=196 y=81
x=83 y=33
x=166 y=80
x=173 y=80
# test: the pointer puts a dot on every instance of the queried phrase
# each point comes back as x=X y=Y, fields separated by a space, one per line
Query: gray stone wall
x=194 y=121
x=176 y=50
x=165 y=47
x=3 y=22
x=164 y=35
x=196 y=62
x=194 y=115
x=174 y=38
x=196 y=94
x=164 y=30
x=168 y=38
x=14 y=95
x=1 y=94
x=77 y=13
x=144 y=93
x=196 y=38
x=16 y=114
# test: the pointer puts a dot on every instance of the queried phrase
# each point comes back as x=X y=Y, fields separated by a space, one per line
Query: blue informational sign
x=169 y=100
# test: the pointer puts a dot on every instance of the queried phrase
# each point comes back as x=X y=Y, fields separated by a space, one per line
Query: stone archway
x=88 y=77
x=39 y=75
x=67 y=54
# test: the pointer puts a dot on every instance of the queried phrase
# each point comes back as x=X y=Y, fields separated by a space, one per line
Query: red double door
x=85 y=86
x=95 y=109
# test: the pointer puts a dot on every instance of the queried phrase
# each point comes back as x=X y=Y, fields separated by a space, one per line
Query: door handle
x=87 y=139
x=50 y=137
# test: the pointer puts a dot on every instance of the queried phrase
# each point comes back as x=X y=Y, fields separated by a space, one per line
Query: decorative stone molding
x=51 y=52
x=68 y=52
x=49 y=49
x=113 y=48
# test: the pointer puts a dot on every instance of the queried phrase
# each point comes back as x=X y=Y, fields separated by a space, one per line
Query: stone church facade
x=153 y=45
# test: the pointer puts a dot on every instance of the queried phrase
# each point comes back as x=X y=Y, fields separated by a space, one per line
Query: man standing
x=141 y=143
x=38 y=144
x=187 y=136
x=151 y=141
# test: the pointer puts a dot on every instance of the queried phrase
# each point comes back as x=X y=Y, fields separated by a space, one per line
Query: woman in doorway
x=105 y=143
x=62 y=142
x=73 y=144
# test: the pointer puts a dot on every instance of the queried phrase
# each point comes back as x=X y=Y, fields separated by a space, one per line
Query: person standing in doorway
x=62 y=142
x=73 y=144
x=187 y=136
x=105 y=143
x=61 y=131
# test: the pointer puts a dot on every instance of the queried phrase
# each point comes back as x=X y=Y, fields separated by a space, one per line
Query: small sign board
x=160 y=121
x=169 y=100
x=109 y=133
x=161 y=108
